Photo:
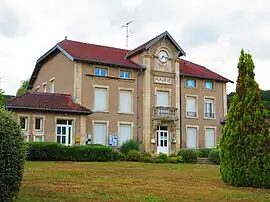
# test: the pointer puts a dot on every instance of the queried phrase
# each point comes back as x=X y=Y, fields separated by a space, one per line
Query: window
x=39 y=138
x=191 y=83
x=64 y=131
x=209 y=85
x=39 y=124
x=191 y=137
x=101 y=71
x=45 y=86
x=37 y=88
x=125 y=105
x=209 y=137
x=100 y=133
x=100 y=99
x=124 y=133
x=24 y=123
x=191 y=108
x=52 y=86
x=162 y=98
x=125 y=75
x=209 y=108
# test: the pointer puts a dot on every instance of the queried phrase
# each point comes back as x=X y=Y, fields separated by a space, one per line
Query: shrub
x=128 y=146
x=133 y=155
x=188 y=155
x=48 y=151
x=179 y=159
x=173 y=155
x=214 y=156
x=157 y=160
x=164 y=157
x=245 y=141
x=146 y=159
x=172 y=160
x=122 y=157
x=204 y=152
x=12 y=157
x=147 y=154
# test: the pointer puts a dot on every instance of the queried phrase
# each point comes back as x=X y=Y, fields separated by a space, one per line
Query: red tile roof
x=47 y=102
x=97 y=53
x=194 y=70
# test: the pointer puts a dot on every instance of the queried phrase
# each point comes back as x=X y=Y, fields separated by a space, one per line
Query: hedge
x=50 y=151
x=188 y=155
x=204 y=152
x=214 y=156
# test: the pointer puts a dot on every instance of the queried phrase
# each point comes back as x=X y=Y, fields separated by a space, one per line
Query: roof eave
x=205 y=77
x=10 y=107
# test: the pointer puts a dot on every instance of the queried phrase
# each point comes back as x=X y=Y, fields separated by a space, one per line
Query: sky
x=211 y=32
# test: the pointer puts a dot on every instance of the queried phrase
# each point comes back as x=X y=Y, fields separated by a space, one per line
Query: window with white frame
x=209 y=85
x=191 y=83
x=162 y=99
x=24 y=123
x=101 y=71
x=45 y=87
x=191 y=106
x=39 y=138
x=100 y=99
x=125 y=104
x=125 y=133
x=100 y=133
x=52 y=86
x=125 y=74
x=39 y=124
x=209 y=111
x=192 y=137
x=209 y=137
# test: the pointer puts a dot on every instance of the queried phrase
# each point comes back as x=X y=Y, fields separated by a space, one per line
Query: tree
x=245 y=141
x=23 y=88
x=12 y=156
x=2 y=98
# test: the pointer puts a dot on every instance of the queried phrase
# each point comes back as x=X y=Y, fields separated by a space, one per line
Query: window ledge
x=190 y=117
x=126 y=113
x=101 y=111
x=207 y=118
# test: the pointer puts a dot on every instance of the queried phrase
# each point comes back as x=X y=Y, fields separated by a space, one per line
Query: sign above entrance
x=163 y=80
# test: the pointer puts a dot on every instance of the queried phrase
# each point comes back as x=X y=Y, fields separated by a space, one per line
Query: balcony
x=209 y=115
x=165 y=113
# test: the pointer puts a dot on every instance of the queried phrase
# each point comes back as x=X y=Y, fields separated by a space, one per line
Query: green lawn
x=124 y=181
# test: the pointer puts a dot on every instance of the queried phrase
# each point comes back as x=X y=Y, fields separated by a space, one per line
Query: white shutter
x=124 y=133
x=191 y=138
x=191 y=104
x=100 y=133
x=209 y=138
x=162 y=98
x=125 y=101
x=100 y=99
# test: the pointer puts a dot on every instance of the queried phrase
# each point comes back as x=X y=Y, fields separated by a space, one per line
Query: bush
x=50 y=151
x=179 y=159
x=146 y=159
x=12 y=157
x=128 y=146
x=157 y=160
x=122 y=157
x=172 y=160
x=214 y=156
x=188 y=155
x=204 y=152
x=133 y=155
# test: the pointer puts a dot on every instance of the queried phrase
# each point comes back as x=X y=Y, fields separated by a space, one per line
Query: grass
x=127 y=181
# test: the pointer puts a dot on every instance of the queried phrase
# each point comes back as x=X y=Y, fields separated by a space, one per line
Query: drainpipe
x=180 y=118
x=138 y=99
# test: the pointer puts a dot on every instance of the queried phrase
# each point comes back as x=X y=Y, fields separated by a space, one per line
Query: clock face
x=163 y=56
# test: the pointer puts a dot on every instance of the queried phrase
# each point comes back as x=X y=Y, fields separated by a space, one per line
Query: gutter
x=138 y=100
x=180 y=118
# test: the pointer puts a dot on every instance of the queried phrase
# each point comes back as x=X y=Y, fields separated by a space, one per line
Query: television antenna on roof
x=127 y=34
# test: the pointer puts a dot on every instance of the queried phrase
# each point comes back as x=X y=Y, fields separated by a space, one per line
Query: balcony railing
x=165 y=113
x=209 y=115
x=191 y=114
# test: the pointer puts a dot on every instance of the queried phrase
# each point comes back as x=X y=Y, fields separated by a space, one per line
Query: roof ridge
x=47 y=93
x=92 y=44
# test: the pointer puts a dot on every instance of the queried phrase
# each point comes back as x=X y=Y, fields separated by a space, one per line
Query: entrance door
x=64 y=132
x=162 y=140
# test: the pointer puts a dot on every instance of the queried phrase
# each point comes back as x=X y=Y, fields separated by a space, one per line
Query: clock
x=163 y=56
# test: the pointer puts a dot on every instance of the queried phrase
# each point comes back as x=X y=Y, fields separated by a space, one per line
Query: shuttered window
x=125 y=104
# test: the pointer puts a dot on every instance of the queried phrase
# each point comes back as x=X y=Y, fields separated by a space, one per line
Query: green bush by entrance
x=47 y=151
x=188 y=155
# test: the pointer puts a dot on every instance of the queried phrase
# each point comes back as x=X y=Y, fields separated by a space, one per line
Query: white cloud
x=212 y=33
